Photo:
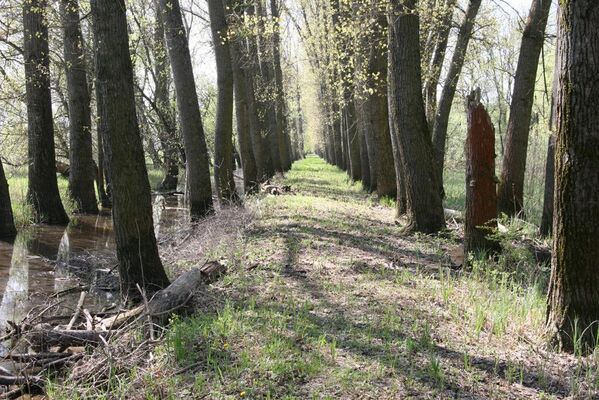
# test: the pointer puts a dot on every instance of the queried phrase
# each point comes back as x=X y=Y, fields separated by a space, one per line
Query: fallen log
x=177 y=294
x=45 y=338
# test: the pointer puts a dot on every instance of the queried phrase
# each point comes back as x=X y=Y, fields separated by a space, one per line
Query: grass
x=325 y=299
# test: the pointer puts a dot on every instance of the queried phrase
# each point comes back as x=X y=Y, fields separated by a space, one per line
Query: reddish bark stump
x=481 y=193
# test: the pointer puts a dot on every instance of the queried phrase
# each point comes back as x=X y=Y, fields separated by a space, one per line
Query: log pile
x=38 y=349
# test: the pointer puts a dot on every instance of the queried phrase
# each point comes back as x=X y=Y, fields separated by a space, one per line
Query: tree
x=511 y=186
x=242 y=104
x=7 y=222
x=378 y=111
x=282 y=126
x=82 y=171
x=223 y=131
x=199 y=188
x=449 y=89
x=42 y=190
x=573 y=304
x=168 y=137
x=408 y=120
x=441 y=37
x=137 y=251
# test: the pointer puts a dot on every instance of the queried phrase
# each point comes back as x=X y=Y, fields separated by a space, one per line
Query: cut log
x=481 y=193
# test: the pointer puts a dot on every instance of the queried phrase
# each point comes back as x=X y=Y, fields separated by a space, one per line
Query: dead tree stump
x=481 y=193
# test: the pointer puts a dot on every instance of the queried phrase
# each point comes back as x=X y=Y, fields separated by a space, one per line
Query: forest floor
x=326 y=299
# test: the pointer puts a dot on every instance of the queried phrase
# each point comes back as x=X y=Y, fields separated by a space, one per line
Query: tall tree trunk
x=223 y=130
x=242 y=110
x=573 y=299
x=266 y=87
x=282 y=125
x=42 y=191
x=481 y=191
x=82 y=172
x=406 y=109
x=251 y=70
x=7 y=222
x=378 y=114
x=139 y=262
x=167 y=134
x=199 y=187
x=436 y=61
x=449 y=89
x=511 y=186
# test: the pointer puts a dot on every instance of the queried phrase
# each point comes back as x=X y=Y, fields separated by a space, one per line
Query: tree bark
x=223 y=130
x=137 y=252
x=7 y=222
x=167 y=134
x=511 y=186
x=42 y=191
x=282 y=125
x=449 y=89
x=547 y=217
x=406 y=110
x=82 y=172
x=481 y=191
x=573 y=299
x=242 y=110
x=378 y=114
x=251 y=70
x=436 y=62
x=199 y=187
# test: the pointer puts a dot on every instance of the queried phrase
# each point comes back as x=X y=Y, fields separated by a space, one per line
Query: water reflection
x=48 y=259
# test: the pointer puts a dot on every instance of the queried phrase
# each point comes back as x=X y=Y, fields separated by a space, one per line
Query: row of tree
x=379 y=67
x=246 y=46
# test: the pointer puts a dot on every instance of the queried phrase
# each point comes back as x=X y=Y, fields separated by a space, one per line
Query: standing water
x=45 y=260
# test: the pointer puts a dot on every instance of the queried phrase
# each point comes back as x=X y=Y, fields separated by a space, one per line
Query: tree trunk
x=547 y=218
x=436 y=61
x=353 y=140
x=7 y=222
x=137 y=252
x=223 y=130
x=365 y=164
x=449 y=89
x=266 y=88
x=199 y=187
x=242 y=110
x=82 y=172
x=573 y=299
x=481 y=191
x=511 y=186
x=378 y=114
x=167 y=134
x=251 y=70
x=406 y=109
x=42 y=191
x=100 y=167
x=282 y=125
x=401 y=203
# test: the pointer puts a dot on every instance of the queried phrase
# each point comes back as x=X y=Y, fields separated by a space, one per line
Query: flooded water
x=44 y=260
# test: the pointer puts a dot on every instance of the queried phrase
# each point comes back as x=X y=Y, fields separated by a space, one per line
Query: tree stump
x=481 y=194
